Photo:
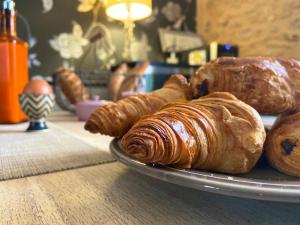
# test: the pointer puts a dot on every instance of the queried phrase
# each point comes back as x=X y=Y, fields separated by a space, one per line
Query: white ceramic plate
x=262 y=183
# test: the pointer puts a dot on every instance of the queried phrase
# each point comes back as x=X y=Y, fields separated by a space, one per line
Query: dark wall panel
x=57 y=33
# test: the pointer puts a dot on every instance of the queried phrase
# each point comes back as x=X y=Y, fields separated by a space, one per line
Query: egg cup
x=37 y=107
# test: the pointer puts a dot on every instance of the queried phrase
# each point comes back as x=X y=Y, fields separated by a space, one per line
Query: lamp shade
x=129 y=9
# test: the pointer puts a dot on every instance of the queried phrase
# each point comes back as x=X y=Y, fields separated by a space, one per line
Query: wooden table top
x=113 y=194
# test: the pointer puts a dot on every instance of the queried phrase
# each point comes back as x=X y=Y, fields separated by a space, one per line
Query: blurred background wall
x=259 y=27
x=57 y=31
x=77 y=33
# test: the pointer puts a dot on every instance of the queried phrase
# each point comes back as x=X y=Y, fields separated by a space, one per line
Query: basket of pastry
x=208 y=133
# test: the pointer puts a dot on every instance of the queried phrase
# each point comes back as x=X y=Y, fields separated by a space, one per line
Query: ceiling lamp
x=128 y=11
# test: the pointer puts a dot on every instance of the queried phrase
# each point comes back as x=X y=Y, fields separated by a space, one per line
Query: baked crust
x=72 y=86
x=115 y=119
x=270 y=85
x=217 y=132
x=283 y=144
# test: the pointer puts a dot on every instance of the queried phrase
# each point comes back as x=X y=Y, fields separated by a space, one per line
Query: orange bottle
x=13 y=65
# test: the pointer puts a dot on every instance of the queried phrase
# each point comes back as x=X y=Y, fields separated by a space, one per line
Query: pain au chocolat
x=270 y=85
x=283 y=144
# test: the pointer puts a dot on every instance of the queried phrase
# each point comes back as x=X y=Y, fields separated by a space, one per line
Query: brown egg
x=38 y=87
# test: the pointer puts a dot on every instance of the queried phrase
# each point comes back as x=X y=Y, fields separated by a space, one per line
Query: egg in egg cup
x=37 y=101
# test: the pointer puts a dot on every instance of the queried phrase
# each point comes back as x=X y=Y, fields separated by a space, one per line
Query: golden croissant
x=116 y=81
x=283 y=144
x=130 y=83
x=270 y=85
x=72 y=86
x=217 y=132
x=116 y=119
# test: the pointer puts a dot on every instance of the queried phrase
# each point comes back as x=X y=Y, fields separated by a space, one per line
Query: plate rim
x=288 y=191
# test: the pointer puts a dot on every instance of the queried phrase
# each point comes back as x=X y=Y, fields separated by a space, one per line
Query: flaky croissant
x=270 y=85
x=216 y=132
x=116 y=119
x=283 y=144
x=131 y=81
x=72 y=86
x=116 y=81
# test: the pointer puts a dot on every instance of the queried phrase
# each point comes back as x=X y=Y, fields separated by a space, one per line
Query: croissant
x=283 y=144
x=216 y=132
x=130 y=83
x=116 y=81
x=72 y=86
x=270 y=85
x=116 y=119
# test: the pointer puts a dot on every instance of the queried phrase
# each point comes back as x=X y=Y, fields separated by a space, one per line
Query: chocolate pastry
x=270 y=85
x=283 y=144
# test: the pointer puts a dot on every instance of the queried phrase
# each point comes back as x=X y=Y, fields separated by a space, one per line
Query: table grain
x=113 y=194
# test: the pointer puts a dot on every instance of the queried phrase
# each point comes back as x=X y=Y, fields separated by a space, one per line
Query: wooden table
x=113 y=194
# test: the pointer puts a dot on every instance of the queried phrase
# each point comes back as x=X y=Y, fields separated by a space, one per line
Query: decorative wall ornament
x=104 y=37
x=140 y=48
x=172 y=11
x=47 y=5
x=178 y=41
x=177 y=15
x=33 y=60
x=86 y=5
x=97 y=38
x=70 y=45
